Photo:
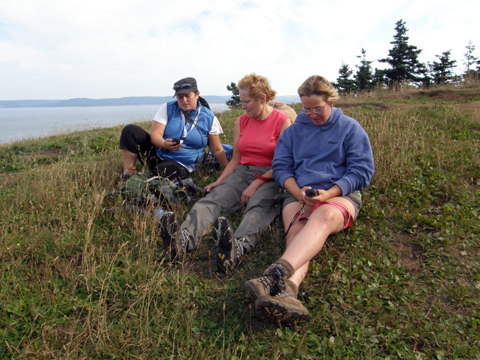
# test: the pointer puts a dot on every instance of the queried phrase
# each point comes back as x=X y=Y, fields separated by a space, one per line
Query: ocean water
x=23 y=123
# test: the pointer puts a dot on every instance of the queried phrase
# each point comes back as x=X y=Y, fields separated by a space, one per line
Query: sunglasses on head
x=183 y=86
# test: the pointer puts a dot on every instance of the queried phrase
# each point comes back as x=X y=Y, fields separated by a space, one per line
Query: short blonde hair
x=318 y=85
x=257 y=86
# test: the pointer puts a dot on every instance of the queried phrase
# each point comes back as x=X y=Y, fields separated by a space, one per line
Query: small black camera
x=176 y=141
x=311 y=192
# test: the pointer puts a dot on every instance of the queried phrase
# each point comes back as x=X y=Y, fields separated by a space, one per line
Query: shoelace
x=266 y=282
x=240 y=249
x=237 y=248
x=185 y=238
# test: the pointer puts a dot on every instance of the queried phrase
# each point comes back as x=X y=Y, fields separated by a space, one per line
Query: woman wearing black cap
x=246 y=184
x=180 y=132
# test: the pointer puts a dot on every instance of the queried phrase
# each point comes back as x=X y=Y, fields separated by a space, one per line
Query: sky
x=63 y=49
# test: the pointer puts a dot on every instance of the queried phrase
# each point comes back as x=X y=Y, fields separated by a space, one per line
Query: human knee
x=260 y=209
x=128 y=139
x=324 y=214
x=204 y=203
x=128 y=130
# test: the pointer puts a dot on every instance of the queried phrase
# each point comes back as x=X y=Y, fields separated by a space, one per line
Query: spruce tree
x=403 y=58
x=378 y=78
x=344 y=82
x=234 y=101
x=363 y=77
x=470 y=61
x=442 y=71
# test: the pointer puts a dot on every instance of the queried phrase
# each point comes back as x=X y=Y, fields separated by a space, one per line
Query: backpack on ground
x=144 y=194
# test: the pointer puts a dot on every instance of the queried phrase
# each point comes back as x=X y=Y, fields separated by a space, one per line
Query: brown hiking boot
x=229 y=250
x=272 y=281
x=259 y=287
x=284 y=306
x=175 y=241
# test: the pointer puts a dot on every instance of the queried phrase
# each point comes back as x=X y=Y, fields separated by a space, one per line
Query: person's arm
x=359 y=161
x=292 y=187
x=283 y=164
x=250 y=190
x=233 y=163
x=156 y=137
x=217 y=150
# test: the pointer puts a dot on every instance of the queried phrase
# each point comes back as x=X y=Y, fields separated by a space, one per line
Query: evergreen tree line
x=405 y=67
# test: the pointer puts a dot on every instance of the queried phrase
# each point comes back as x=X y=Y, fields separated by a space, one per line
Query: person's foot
x=283 y=307
x=174 y=241
x=272 y=282
x=127 y=174
x=259 y=287
x=229 y=251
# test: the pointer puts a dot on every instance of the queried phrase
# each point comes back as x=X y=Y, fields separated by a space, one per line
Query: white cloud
x=105 y=48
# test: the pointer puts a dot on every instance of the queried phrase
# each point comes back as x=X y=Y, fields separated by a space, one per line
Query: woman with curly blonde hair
x=245 y=183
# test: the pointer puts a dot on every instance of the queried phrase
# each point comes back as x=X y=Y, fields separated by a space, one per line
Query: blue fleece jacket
x=321 y=156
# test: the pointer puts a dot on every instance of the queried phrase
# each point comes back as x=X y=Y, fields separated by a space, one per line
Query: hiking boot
x=272 y=281
x=127 y=174
x=259 y=287
x=280 y=271
x=174 y=241
x=229 y=250
x=283 y=307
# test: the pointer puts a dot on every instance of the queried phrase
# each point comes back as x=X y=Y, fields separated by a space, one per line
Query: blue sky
x=53 y=49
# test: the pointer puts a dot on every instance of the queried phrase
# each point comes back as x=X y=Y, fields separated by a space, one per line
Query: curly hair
x=257 y=86
x=318 y=85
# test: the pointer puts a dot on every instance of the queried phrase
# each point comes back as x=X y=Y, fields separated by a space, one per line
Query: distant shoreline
x=126 y=101
x=18 y=123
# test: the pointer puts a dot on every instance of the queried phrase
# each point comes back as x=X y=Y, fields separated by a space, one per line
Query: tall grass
x=78 y=282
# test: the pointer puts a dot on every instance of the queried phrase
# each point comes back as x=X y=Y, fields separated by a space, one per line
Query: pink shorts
x=347 y=218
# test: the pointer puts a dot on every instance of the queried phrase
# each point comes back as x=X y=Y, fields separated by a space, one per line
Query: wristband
x=263 y=178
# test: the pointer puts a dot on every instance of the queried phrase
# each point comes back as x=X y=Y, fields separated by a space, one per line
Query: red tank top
x=259 y=137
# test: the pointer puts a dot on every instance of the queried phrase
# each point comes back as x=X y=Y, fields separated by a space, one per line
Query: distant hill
x=137 y=100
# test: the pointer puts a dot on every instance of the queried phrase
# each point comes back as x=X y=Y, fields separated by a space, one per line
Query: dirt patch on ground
x=409 y=253
x=443 y=95
x=7 y=180
x=447 y=95
x=46 y=153
x=60 y=152
x=381 y=107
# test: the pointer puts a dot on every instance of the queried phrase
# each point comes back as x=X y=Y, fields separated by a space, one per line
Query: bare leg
x=288 y=214
x=129 y=159
x=306 y=239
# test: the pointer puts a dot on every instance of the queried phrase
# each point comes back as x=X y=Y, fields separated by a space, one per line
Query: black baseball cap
x=185 y=86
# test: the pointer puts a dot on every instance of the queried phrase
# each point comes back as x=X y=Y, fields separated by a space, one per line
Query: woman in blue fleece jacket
x=331 y=153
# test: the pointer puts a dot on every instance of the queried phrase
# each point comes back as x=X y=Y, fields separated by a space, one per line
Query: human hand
x=248 y=193
x=300 y=194
x=172 y=145
x=212 y=186
x=321 y=195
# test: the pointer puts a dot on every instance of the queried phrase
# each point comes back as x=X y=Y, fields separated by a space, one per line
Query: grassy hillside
x=403 y=282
